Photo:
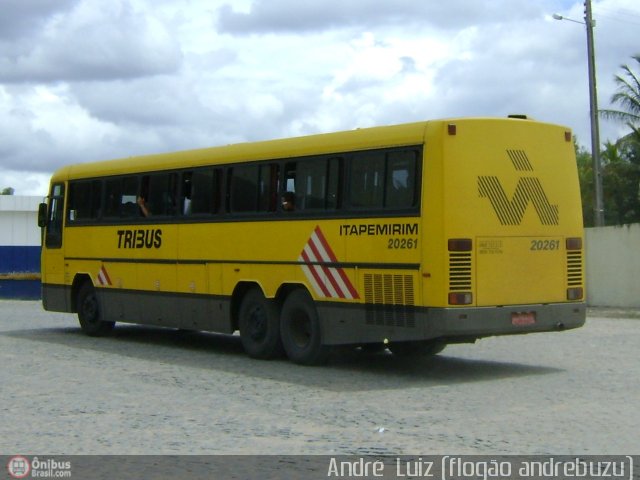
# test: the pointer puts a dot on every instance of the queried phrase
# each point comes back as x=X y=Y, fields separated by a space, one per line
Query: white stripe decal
x=328 y=282
x=311 y=279
x=103 y=277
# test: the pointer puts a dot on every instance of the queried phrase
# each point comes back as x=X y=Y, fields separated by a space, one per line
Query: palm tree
x=628 y=97
x=621 y=172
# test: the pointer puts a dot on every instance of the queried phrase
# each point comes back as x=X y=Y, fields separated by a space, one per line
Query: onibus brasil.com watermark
x=21 y=467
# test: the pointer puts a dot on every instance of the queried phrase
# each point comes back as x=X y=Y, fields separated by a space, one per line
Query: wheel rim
x=90 y=308
x=300 y=328
x=257 y=324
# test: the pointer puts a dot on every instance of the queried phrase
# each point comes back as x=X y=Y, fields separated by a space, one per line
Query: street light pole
x=598 y=207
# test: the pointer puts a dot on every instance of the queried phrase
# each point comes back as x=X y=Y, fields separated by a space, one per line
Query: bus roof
x=405 y=134
x=318 y=144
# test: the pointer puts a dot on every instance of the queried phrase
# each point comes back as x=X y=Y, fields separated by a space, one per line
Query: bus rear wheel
x=300 y=330
x=259 y=325
x=90 y=313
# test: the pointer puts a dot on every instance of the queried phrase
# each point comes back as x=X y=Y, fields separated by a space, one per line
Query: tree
x=621 y=182
x=7 y=191
x=620 y=178
x=585 y=176
x=628 y=97
x=621 y=161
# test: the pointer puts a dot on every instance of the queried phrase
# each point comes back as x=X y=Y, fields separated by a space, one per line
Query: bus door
x=53 y=270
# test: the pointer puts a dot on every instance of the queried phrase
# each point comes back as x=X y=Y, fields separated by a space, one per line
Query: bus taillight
x=575 y=293
x=574 y=243
x=460 y=298
x=460 y=245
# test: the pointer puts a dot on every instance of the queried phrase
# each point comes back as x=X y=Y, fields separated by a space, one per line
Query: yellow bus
x=407 y=237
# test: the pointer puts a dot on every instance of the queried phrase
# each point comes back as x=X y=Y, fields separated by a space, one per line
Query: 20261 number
x=539 y=245
x=402 y=243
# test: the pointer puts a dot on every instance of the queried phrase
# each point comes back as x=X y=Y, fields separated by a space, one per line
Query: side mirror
x=42 y=215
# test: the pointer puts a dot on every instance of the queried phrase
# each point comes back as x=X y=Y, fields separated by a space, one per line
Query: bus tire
x=300 y=330
x=417 y=349
x=90 y=313
x=259 y=323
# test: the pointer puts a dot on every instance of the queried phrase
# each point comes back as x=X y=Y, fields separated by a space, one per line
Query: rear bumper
x=347 y=325
x=489 y=321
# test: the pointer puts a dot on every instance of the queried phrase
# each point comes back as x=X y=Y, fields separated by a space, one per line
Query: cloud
x=21 y=18
x=45 y=128
x=94 y=41
x=271 y=16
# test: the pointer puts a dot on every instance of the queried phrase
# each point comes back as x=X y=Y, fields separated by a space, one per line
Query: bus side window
x=129 y=199
x=121 y=197
x=315 y=183
x=253 y=188
x=243 y=188
x=334 y=183
x=312 y=175
x=268 y=188
x=290 y=172
x=401 y=179
x=159 y=194
x=55 y=217
x=367 y=180
x=201 y=191
x=186 y=193
x=84 y=201
x=113 y=193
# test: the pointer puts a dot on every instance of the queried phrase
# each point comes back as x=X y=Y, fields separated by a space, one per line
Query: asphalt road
x=153 y=391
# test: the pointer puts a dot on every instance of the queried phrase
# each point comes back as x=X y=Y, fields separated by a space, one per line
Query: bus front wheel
x=300 y=330
x=90 y=313
x=259 y=325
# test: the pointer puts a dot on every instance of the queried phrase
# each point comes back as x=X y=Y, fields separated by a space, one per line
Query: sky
x=86 y=80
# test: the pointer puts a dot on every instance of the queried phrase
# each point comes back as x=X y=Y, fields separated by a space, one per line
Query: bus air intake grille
x=389 y=300
x=574 y=268
x=459 y=271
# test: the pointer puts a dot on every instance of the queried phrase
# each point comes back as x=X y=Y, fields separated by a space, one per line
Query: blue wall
x=20 y=289
x=19 y=259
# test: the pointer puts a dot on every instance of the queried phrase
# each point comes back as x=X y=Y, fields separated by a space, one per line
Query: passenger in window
x=144 y=209
x=288 y=202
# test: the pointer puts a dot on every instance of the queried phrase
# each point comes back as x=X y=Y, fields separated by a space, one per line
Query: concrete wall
x=19 y=247
x=18 y=220
x=613 y=266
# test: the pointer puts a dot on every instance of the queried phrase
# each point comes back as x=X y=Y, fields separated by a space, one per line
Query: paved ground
x=154 y=391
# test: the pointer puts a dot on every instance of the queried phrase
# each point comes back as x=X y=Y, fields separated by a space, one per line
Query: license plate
x=522 y=319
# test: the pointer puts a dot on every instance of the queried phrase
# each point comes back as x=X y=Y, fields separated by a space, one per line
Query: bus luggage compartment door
x=520 y=270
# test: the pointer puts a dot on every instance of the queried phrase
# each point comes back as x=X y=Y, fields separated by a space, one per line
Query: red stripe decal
x=313 y=271
x=106 y=275
x=333 y=258
x=327 y=271
x=319 y=247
